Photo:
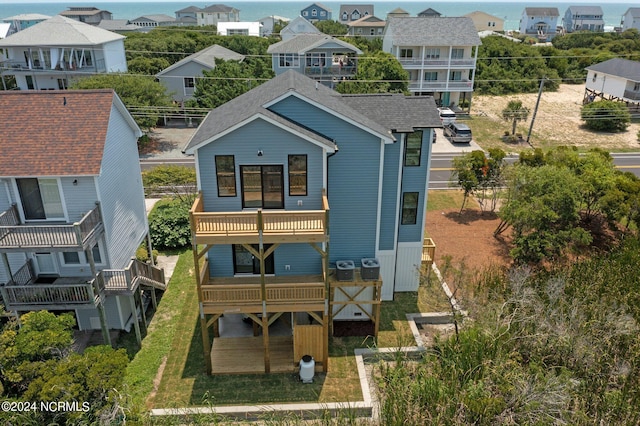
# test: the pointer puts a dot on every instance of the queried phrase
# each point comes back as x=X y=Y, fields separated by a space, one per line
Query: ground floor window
x=409 y=208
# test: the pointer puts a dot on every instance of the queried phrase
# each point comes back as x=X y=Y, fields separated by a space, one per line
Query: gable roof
x=542 y=11
x=368 y=21
x=300 y=23
x=83 y=12
x=618 y=67
x=256 y=102
x=398 y=11
x=397 y=112
x=479 y=13
x=320 y=5
x=190 y=9
x=362 y=8
x=585 y=10
x=118 y=25
x=155 y=18
x=429 y=12
x=634 y=11
x=56 y=133
x=219 y=8
x=206 y=57
x=60 y=31
x=423 y=31
x=302 y=43
x=27 y=17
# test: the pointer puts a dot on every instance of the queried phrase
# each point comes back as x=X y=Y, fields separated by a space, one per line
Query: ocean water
x=255 y=10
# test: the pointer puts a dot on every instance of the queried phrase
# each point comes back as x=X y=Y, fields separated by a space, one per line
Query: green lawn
x=174 y=333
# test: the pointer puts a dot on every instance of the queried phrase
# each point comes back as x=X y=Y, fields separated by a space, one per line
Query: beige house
x=485 y=22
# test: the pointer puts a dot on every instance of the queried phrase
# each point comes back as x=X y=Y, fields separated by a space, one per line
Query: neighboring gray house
x=429 y=13
x=88 y=15
x=439 y=54
x=269 y=22
x=540 y=22
x=180 y=78
x=631 y=19
x=616 y=80
x=584 y=18
x=213 y=14
x=46 y=55
x=120 y=26
x=298 y=26
x=319 y=56
x=187 y=16
x=316 y=12
x=367 y=27
x=354 y=12
x=24 y=21
x=153 y=21
x=72 y=209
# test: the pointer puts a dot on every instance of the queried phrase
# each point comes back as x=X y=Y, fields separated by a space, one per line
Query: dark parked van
x=457 y=132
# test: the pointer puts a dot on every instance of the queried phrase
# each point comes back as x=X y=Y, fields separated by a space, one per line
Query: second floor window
x=433 y=53
x=40 y=198
x=457 y=53
x=406 y=53
x=289 y=60
x=412 y=149
x=298 y=175
x=226 y=175
x=431 y=76
x=456 y=76
x=189 y=82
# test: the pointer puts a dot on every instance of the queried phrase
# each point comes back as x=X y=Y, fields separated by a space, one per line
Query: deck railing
x=250 y=294
x=13 y=234
x=127 y=279
x=428 y=251
x=230 y=224
x=16 y=295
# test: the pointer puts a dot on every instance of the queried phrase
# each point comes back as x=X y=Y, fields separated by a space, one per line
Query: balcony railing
x=632 y=94
x=437 y=63
x=330 y=71
x=429 y=86
x=18 y=65
x=17 y=236
x=274 y=226
x=128 y=279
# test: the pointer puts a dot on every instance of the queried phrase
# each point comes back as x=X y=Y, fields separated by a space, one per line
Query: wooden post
x=377 y=297
x=263 y=294
x=136 y=325
x=144 y=315
x=101 y=313
x=328 y=316
x=206 y=344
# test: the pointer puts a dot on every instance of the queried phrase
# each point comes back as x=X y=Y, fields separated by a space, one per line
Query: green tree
x=514 y=112
x=145 y=98
x=169 y=224
x=332 y=28
x=178 y=181
x=379 y=72
x=608 y=116
x=480 y=175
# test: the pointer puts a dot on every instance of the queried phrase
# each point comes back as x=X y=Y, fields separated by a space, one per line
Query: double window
x=406 y=53
x=409 y=208
x=457 y=53
x=412 y=149
x=226 y=175
x=289 y=60
x=432 y=53
x=431 y=75
x=79 y=258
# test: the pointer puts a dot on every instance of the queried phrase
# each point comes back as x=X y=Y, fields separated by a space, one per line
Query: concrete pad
x=149 y=203
x=444 y=146
x=168 y=263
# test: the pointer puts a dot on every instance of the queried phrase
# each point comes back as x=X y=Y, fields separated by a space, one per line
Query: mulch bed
x=353 y=328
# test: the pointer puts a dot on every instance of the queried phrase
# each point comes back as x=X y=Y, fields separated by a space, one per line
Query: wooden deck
x=245 y=355
x=428 y=251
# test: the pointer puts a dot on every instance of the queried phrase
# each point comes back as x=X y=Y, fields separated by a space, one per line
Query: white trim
x=426 y=183
x=403 y=139
x=387 y=138
x=198 y=179
x=380 y=182
x=325 y=167
x=14 y=184
x=251 y=119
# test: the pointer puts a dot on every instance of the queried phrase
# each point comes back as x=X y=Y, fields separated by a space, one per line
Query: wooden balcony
x=275 y=226
x=127 y=280
x=428 y=251
x=17 y=236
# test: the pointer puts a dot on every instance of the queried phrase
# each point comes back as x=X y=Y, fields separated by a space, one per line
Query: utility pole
x=535 y=110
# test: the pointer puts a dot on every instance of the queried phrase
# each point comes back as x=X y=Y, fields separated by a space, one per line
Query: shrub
x=608 y=116
x=169 y=224
x=142 y=254
x=179 y=181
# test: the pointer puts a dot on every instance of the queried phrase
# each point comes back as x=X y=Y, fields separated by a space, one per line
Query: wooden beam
x=136 y=325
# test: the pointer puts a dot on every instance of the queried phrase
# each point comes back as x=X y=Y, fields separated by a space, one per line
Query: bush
x=142 y=254
x=180 y=181
x=169 y=224
x=608 y=116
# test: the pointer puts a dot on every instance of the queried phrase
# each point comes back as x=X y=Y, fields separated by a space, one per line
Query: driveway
x=443 y=146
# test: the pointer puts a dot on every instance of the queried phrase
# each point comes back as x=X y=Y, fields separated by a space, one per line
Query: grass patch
x=444 y=200
x=185 y=383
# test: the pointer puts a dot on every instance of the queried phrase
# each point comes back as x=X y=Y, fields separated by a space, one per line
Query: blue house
x=584 y=18
x=540 y=22
x=311 y=210
x=316 y=12
x=319 y=56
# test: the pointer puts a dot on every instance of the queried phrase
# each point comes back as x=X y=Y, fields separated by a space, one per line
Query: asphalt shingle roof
x=214 y=8
x=53 y=133
x=423 y=31
x=619 y=67
x=542 y=11
x=586 y=10
x=60 y=31
x=207 y=57
x=381 y=114
x=301 y=43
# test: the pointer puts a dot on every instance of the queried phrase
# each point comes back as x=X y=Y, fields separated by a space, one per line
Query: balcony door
x=246 y=263
x=40 y=199
x=262 y=187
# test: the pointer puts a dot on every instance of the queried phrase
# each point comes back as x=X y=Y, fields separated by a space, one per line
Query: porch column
x=263 y=293
x=206 y=343
x=106 y=337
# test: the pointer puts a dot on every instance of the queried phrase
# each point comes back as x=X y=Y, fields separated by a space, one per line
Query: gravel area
x=167 y=142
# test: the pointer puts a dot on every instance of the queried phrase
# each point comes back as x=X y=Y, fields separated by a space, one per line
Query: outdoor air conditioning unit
x=344 y=270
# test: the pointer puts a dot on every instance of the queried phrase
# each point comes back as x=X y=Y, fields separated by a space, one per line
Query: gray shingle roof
x=585 y=10
x=60 y=31
x=619 y=67
x=542 y=11
x=189 y=9
x=222 y=8
x=320 y=5
x=207 y=57
x=155 y=18
x=634 y=11
x=301 y=43
x=372 y=112
x=362 y=8
x=413 y=31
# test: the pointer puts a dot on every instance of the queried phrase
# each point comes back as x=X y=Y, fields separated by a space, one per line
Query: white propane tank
x=307 y=369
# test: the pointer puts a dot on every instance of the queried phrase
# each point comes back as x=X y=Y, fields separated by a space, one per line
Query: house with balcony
x=248 y=28
x=215 y=13
x=353 y=12
x=180 y=78
x=367 y=27
x=49 y=54
x=187 y=16
x=316 y=12
x=615 y=80
x=72 y=211
x=439 y=54
x=311 y=210
x=153 y=21
x=88 y=15
x=584 y=18
x=298 y=26
x=631 y=19
x=23 y=21
x=326 y=59
x=539 y=22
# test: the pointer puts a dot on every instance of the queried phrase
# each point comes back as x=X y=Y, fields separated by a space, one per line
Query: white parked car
x=446 y=116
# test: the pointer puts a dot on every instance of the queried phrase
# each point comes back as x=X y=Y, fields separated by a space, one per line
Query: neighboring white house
x=631 y=19
x=72 y=208
x=269 y=22
x=212 y=15
x=583 y=18
x=616 y=79
x=298 y=26
x=539 y=22
x=439 y=54
x=47 y=55
x=180 y=78
x=239 y=28
x=24 y=21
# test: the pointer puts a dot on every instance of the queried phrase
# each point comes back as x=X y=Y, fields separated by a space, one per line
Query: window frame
x=409 y=214
x=189 y=82
x=428 y=74
x=298 y=173
x=406 y=53
x=412 y=152
x=82 y=257
x=289 y=60
x=226 y=174
x=457 y=53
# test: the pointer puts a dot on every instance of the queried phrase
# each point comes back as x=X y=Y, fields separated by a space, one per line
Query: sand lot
x=558 y=119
